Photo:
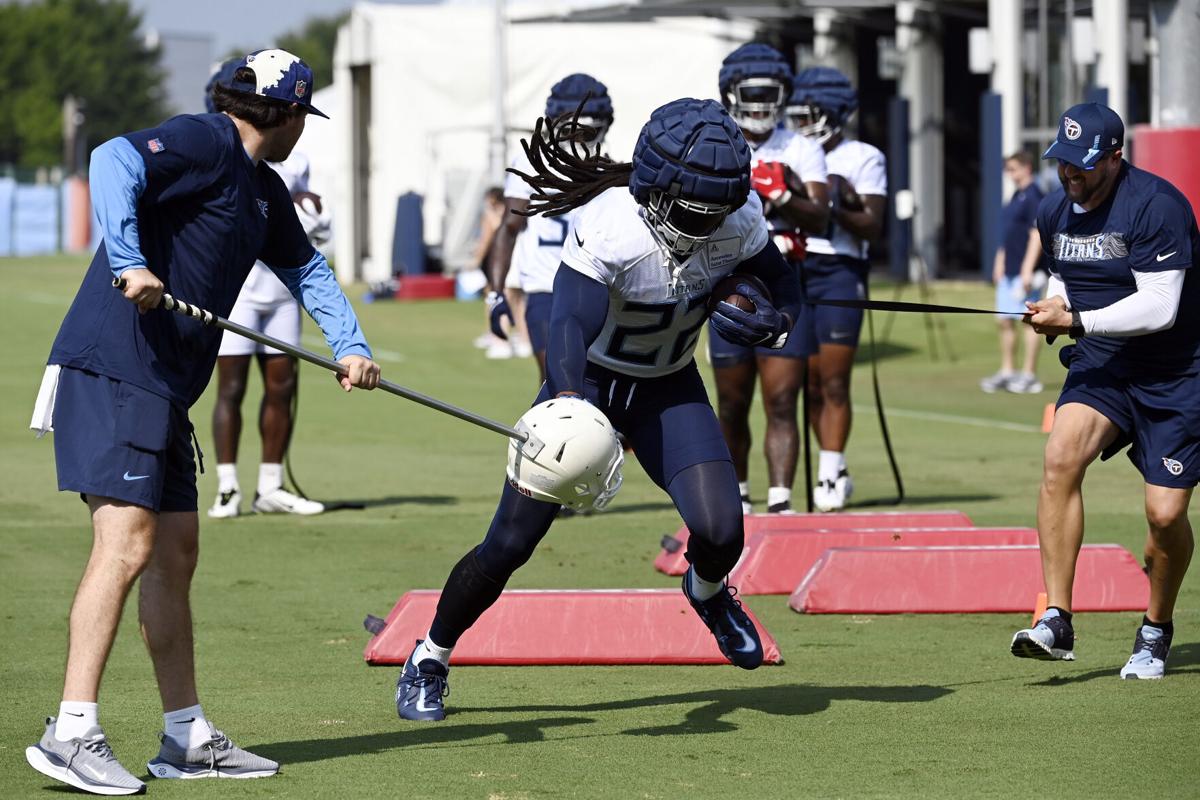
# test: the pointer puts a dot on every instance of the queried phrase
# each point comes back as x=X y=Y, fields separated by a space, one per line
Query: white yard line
x=933 y=416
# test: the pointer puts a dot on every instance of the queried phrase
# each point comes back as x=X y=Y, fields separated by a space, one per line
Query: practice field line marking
x=933 y=416
x=380 y=355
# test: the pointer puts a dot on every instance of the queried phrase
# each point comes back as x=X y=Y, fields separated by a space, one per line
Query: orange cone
x=1048 y=418
x=1039 y=607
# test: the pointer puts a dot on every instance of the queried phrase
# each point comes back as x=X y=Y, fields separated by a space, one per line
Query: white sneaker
x=994 y=383
x=521 y=348
x=228 y=504
x=281 y=501
x=484 y=340
x=498 y=350
x=1149 y=660
x=831 y=495
x=747 y=508
x=1025 y=383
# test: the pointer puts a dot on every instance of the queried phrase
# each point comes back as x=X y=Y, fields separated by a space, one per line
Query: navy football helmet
x=691 y=169
x=222 y=74
x=755 y=82
x=596 y=115
x=822 y=102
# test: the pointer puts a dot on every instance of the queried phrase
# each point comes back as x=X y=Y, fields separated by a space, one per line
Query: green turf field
x=892 y=706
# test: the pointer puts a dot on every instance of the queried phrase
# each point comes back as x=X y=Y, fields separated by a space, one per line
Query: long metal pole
x=209 y=318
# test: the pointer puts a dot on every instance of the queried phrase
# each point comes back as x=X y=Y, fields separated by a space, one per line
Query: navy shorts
x=1159 y=418
x=667 y=420
x=537 y=319
x=829 y=277
x=113 y=439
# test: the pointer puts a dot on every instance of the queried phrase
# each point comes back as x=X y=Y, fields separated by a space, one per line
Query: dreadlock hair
x=564 y=179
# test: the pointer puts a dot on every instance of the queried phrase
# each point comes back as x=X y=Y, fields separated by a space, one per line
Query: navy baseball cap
x=1084 y=132
x=278 y=75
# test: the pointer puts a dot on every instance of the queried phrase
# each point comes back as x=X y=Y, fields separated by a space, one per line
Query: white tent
x=415 y=107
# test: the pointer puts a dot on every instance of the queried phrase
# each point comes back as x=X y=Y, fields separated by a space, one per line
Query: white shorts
x=280 y=321
x=513 y=279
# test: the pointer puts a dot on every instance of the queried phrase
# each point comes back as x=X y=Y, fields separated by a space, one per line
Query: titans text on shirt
x=1145 y=225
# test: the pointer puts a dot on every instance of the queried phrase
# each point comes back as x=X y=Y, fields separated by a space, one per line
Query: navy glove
x=497 y=310
x=763 y=326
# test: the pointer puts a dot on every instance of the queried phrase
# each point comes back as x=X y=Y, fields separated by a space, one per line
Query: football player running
x=788 y=174
x=630 y=298
x=533 y=244
x=836 y=266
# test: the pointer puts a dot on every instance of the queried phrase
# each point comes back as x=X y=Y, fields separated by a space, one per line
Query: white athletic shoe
x=832 y=495
x=1025 y=383
x=228 y=504
x=521 y=348
x=281 y=501
x=1149 y=660
x=498 y=350
x=747 y=508
x=86 y=762
x=484 y=340
x=997 y=382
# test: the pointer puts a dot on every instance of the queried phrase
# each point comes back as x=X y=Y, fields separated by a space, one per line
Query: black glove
x=763 y=326
x=497 y=310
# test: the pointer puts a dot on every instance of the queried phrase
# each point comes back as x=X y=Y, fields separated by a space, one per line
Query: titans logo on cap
x=1072 y=129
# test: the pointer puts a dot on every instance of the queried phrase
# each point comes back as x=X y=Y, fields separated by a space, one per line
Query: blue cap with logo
x=1085 y=132
x=278 y=75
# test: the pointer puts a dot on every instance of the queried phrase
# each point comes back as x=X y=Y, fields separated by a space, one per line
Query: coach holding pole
x=186 y=207
x=1121 y=243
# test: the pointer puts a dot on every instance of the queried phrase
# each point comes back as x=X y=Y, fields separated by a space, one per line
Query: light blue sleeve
x=315 y=286
x=117 y=178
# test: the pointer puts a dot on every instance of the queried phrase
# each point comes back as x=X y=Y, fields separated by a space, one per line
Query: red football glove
x=792 y=244
x=769 y=179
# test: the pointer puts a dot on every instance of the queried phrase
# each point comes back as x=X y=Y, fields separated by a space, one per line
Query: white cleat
x=498 y=350
x=832 y=495
x=228 y=504
x=281 y=501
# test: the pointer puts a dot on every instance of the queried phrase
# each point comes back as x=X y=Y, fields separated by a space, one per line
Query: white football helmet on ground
x=571 y=457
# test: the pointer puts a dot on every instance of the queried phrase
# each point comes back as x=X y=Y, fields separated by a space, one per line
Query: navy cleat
x=730 y=625
x=1052 y=639
x=420 y=689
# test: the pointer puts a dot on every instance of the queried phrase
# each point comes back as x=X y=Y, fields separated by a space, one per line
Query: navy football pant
x=677 y=440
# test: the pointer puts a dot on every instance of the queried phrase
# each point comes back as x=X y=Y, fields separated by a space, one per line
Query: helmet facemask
x=811 y=122
x=755 y=103
x=684 y=225
x=581 y=135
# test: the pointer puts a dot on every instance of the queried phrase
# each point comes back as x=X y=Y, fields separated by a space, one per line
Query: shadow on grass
x=391 y=500
x=1184 y=658
x=708 y=717
x=635 y=508
x=923 y=500
x=413 y=735
x=883 y=351
x=715 y=704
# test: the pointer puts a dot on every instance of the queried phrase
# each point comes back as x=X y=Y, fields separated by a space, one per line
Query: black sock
x=467 y=594
x=1062 y=612
x=1168 y=627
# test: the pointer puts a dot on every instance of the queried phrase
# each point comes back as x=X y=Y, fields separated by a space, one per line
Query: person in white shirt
x=836 y=266
x=788 y=175
x=531 y=245
x=266 y=306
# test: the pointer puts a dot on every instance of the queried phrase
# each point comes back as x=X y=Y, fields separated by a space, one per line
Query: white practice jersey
x=262 y=288
x=805 y=157
x=538 y=249
x=656 y=306
x=866 y=170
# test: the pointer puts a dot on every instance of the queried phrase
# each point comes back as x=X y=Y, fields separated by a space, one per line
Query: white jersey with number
x=538 y=249
x=656 y=305
x=866 y=170
x=262 y=289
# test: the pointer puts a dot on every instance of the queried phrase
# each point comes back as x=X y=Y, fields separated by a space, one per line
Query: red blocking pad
x=944 y=580
x=672 y=562
x=774 y=562
x=566 y=627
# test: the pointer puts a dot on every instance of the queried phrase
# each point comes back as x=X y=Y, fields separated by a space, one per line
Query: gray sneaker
x=1025 y=383
x=216 y=758
x=86 y=763
x=995 y=383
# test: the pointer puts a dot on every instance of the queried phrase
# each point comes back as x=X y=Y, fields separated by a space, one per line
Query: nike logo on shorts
x=129 y=477
x=1165 y=256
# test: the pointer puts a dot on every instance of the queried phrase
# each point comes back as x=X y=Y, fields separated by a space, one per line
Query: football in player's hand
x=848 y=198
x=726 y=290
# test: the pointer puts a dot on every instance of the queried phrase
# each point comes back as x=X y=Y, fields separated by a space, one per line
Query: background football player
x=836 y=266
x=532 y=244
x=788 y=173
x=630 y=298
